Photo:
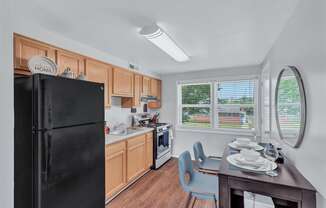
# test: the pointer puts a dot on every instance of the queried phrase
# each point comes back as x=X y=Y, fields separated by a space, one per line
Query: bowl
x=243 y=141
x=250 y=155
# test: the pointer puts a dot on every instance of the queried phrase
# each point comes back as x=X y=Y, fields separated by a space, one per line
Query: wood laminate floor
x=157 y=189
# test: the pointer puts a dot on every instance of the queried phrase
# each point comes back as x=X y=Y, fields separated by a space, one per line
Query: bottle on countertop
x=106 y=128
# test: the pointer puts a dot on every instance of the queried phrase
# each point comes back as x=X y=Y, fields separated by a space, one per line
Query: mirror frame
x=303 y=106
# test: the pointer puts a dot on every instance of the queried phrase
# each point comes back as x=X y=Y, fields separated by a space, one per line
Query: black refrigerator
x=59 y=143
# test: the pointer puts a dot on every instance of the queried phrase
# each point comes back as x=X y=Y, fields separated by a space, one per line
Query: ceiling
x=214 y=33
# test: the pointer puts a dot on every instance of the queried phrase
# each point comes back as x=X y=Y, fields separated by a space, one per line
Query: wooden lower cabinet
x=136 y=150
x=115 y=168
x=149 y=150
x=126 y=161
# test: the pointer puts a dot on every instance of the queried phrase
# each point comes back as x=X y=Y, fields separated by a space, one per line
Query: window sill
x=216 y=131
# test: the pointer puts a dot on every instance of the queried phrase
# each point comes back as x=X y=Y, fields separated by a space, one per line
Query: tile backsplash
x=115 y=114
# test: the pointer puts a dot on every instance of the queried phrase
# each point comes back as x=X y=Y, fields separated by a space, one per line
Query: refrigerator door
x=72 y=170
x=61 y=102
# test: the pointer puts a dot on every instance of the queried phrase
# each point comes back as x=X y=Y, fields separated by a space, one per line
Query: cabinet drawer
x=139 y=140
x=112 y=149
x=149 y=135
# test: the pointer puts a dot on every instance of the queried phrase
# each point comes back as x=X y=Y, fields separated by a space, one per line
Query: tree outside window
x=196 y=105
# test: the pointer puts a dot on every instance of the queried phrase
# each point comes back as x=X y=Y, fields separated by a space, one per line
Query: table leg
x=224 y=192
x=308 y=199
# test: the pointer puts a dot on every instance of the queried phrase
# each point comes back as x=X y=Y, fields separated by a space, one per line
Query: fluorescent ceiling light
x=159 y=38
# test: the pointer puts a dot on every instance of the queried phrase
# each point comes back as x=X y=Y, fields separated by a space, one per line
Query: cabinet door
x=101 y=73
x=137 y=90
x=146 y=86
x=159 y=90
x=115 y=168
x=25 y=48
x=136 y=99
x=149 y=149
x=136 y=157
x=74 y=61
x=123 y=82
x=154 y=87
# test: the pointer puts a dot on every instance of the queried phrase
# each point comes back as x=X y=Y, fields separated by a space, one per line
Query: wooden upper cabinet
x=136 y=99
x=159 y=90
x=74 y=61
x=102 y=73
x=123 y=82
x=146 y=86
x=154 y=87
x=115 y=168
x=137 y=89
x=25 y=48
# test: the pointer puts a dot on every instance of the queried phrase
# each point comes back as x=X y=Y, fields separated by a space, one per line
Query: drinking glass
x=271 y=153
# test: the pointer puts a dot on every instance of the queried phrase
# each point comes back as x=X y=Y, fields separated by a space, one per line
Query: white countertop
x=110 y=139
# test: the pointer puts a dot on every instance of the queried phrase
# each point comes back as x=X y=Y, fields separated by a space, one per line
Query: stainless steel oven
x=162 y=145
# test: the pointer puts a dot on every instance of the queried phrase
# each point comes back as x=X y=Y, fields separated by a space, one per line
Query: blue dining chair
x=197 y=185
x=206 y=164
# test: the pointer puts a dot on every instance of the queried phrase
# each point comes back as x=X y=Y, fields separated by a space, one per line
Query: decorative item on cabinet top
x=42 y=65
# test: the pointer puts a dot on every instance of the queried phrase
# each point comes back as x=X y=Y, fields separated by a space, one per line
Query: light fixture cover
x=162 y=40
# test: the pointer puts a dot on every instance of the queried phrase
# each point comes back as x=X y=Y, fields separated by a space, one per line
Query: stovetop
x=155 y=125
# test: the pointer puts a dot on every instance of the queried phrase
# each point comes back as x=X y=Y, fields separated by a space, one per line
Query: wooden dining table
x=290 y=189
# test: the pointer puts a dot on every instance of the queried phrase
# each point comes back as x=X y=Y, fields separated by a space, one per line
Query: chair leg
x=215 y=202
x=193 y=203
x=188 y=200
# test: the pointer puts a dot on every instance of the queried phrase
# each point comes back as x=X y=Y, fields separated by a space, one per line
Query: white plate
x=252 y=145
x=266 y=165
x=42 y=65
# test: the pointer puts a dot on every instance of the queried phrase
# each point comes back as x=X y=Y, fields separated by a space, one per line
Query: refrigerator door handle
x=46 y=155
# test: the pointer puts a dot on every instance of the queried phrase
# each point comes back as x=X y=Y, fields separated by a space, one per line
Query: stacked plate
x=244 y=143
x=260 y=164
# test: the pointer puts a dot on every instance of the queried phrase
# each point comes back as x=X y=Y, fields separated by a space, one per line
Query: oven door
x=162 y=143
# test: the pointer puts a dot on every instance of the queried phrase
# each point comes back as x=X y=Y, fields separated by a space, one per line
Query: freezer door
x=73 y=170
x=61 y=102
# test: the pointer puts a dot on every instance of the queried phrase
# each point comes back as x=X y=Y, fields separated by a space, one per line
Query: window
x=225 y=104
x=235 y=104
x=196 y=105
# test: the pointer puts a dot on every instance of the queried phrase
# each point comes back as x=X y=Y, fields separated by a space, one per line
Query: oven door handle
x=159 y=134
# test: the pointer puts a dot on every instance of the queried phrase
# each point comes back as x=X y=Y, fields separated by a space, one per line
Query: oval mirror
x=290 y=106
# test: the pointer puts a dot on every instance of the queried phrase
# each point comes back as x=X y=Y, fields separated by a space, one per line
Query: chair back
x=185 y=170
x=199 y=152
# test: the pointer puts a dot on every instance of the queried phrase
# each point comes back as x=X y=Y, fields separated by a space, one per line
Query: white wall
x=303 y=44
x=6 y=108
x=214 y=143
x=9 y=23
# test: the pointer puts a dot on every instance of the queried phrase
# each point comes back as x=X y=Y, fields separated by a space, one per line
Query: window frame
x=180 y=105
x=214 y=103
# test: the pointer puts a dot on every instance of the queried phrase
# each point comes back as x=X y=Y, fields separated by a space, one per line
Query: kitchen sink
x=128 y=131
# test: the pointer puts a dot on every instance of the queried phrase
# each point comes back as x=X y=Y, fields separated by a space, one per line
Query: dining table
x=289 y=189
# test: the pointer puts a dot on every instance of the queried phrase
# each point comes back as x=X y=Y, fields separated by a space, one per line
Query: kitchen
x=141 y=81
